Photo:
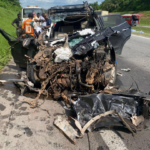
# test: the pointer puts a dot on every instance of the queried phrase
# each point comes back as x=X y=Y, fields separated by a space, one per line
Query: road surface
x=143 y=26
x=23 y=128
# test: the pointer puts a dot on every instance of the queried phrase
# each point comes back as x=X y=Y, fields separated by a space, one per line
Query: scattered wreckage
x=78 y=65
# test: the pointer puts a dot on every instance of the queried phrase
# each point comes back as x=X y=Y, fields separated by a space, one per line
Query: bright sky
x=49 y=3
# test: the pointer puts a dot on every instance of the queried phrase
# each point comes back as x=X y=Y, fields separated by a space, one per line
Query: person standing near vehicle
x=17 y=21
x=48 y=21
x=43 y=23
x=30 y=26
x=37 y=19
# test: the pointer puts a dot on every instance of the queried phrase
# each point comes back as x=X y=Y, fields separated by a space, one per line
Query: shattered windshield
x=57 y=18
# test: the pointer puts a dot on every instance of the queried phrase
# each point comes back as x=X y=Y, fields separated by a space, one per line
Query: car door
x=117 y=23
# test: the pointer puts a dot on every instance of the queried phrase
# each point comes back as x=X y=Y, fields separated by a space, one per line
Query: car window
x=112 y=20
x=26 y=11
x=135 y=18
x=127 y=18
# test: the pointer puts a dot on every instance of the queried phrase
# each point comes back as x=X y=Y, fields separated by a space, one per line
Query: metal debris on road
x=119 y=74
x=66 y=128
x=126 y=70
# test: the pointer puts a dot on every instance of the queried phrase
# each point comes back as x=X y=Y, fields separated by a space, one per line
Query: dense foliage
x=95 y=6
x=10 y=4
x=8 y=12
x=123 y=5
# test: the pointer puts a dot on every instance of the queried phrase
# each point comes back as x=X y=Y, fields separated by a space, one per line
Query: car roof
x=127 y=15
x=133 y=15
x=81 y=9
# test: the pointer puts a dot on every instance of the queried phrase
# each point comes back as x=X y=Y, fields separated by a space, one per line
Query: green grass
x=144 y=20
x=145 y=30
x=6 y=18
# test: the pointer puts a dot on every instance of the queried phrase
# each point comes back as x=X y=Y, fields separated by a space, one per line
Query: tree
x=95 y=6
x=10 y=4
x=125 y=5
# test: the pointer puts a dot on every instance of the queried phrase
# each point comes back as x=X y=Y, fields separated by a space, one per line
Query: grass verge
x=144 y=29
x=6 y=18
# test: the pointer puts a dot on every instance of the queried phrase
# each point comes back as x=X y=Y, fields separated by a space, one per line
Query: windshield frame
x=32 y=10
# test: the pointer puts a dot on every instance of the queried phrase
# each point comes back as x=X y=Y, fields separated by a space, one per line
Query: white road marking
x=141 y=37
x=112 y=140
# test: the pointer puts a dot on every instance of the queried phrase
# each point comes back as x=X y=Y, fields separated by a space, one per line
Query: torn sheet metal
x=98 y=118
x=89 y=106
x=66 y=128
x=126 y=70
x=85 y=45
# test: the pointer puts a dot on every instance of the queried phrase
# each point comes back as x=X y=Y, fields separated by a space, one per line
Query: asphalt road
x=23 y=128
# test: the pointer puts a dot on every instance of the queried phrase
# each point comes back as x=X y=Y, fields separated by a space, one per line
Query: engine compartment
x=59 y=69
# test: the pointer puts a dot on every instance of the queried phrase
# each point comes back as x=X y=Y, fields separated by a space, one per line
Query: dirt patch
x=2 y=107
x=23 y=108
x=28 y=131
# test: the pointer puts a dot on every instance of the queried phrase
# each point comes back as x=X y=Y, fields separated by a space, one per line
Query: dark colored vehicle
x=70 y=19
x=82 y=21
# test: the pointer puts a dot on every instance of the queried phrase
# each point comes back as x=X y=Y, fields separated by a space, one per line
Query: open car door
x=117 y=23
